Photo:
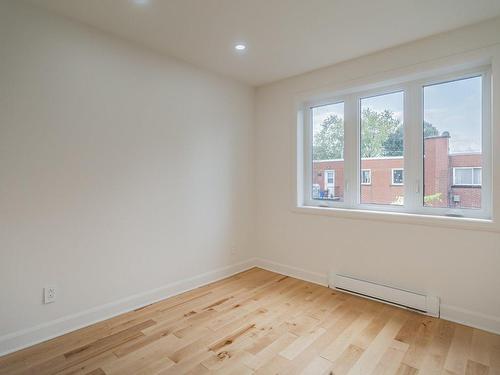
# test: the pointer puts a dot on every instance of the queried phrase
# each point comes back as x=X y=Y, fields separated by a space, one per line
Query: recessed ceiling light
x=140 y=2
x=240 y=47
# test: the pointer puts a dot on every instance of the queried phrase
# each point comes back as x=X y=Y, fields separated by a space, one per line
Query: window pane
x=366 y=177
x=328 y=152
x=397 y=176
x=382 y=151
x=463 y=176
x=477 y=176
x=452 y=144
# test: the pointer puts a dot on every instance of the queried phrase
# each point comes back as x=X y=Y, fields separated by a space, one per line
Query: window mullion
x=486 y=147
x=307 y=159
x=413 y=148
x=351 y=147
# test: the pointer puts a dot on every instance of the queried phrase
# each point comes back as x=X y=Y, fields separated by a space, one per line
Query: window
x=327 y=152
x=415 y=147
x=366 y=176
x=467 y=176
x=381 y=140
x=397 y=176
x=452 y=137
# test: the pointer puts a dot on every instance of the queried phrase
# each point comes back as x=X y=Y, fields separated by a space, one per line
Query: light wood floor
x=264 y=323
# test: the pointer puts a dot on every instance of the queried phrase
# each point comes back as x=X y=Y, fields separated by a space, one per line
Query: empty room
x=250 y=187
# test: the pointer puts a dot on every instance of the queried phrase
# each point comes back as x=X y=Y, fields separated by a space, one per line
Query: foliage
x=381 y=135
x=376 y=128
x=329 y=141
x=429 y=200
x=400 y=200
x=393 y=145
x=430 y=130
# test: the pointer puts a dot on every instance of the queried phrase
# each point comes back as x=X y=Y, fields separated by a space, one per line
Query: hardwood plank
x=392 y=358
x=347 y=359
x=437 y=351
x=317 y=366
x=404 y=369
x=264 y=323
x=456 y=359
x=335 y=349
x=476 y=368
x=302 y=342
x=374 y=352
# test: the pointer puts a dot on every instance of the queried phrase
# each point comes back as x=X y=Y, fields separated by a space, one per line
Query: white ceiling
x=284 y=37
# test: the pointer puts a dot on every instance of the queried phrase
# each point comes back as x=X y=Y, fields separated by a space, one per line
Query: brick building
x=450 y=179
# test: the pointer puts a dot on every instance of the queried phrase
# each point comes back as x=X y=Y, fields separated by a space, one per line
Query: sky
x=321 y=113
x=394 y=102
x=456 y=107
x=452 y=106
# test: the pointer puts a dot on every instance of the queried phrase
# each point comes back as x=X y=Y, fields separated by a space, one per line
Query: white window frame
x=392 y=177
x=369 y=174
x=413 y=148
x=472 y=173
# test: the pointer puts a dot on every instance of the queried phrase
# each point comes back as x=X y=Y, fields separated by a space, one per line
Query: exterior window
x=417 y=147
x=453 y=140
x=397 y=177
x=467 y=176
x=366 y=176
x=328 y=152
x=381 y=147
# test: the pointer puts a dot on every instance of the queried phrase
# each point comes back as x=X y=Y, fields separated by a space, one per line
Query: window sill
x=402 y=218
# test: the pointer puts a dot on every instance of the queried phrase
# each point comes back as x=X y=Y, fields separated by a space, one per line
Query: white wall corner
x=299 y=273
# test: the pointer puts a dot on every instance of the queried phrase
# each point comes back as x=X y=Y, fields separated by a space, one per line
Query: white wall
x=461 y=266
x=121 y=171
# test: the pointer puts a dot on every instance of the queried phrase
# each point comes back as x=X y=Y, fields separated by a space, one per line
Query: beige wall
x=460 y=266
x=121 y=172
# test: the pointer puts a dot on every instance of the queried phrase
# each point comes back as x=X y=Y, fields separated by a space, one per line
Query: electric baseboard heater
x=395 y=296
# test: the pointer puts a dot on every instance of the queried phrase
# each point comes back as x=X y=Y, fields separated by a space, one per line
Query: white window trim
x=392 y=177
x=472 y=171
x=413 y=153
x=369 y=174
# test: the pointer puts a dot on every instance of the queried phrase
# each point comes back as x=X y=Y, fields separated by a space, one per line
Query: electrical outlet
x=233 y=249
x=49 y=294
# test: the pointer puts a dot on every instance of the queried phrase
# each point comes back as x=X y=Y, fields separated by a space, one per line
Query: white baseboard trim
x=27 y=337
x=299 y=273
x=452 y=313
x=470 y=318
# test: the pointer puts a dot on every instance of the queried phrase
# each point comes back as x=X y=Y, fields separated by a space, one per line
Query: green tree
x=328 y=142
x=393 y=145
x=381 y=135
x=430 y=130
x=376 y=128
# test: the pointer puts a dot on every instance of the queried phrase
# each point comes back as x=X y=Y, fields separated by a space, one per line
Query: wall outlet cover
x=49 y=294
